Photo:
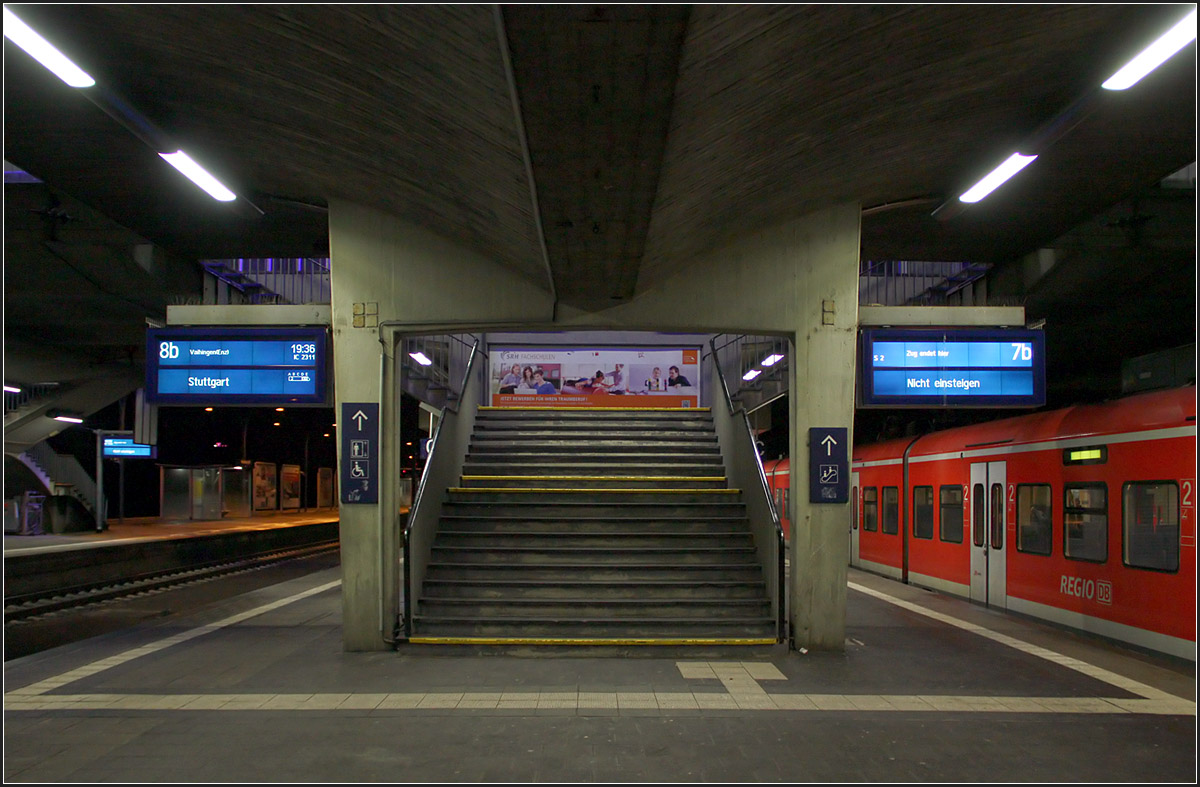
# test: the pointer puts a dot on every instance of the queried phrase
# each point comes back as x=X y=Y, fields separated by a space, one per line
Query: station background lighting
x=44 y=52
x=1154 y=55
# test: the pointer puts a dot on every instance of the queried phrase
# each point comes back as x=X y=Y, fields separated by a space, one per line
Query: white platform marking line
x=153 y=647
x=1111 y=678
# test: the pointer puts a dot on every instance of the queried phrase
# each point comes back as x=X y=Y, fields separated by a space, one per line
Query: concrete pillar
x=388 y=277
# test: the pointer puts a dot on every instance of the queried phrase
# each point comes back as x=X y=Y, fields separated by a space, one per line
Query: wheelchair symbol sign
x=359 y=469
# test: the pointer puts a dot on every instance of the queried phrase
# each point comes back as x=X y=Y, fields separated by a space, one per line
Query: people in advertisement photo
x=675 y=379
x=541 y=385
x=511 y=379
x=655 y=382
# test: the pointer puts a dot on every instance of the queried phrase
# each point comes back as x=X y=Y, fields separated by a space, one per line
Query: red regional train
x=1083 y=516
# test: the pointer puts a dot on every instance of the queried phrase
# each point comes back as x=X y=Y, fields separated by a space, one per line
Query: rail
x=443 y=465
x=915 y=282
x=264 y=280
x=753 y=367
x=745 y=470
x=64 y=469
x=15 y=400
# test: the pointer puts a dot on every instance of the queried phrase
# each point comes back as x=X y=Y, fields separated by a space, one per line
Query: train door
x=987 y=507
x=854 y=519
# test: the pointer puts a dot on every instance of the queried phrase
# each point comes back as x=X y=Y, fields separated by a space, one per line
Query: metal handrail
x=781 y=590
x=419 y=494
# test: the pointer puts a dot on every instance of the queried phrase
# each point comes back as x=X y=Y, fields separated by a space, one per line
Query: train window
x=870 y=509
x=951 y=513
x=1151 y=525
x=1035 y=530
x=854 y=508
x=977 y=504
x=997 y=515
x=922 y=511
x=1085 y=522
x=891 y=510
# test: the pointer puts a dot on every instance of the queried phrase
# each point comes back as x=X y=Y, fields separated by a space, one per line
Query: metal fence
x=296 y=280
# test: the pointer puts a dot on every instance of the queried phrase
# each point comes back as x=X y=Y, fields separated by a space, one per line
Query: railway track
x=47 y=600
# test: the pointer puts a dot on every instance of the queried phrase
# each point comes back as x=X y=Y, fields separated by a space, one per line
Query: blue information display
x=953 y=368
x=124 y=446
x=236 y=365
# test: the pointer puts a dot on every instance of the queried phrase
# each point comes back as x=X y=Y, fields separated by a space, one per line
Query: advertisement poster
x=265 y=492
x=289 y=486
x=609 y=377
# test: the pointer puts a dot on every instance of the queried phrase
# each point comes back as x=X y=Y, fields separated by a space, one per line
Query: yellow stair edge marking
x=589 y=641
x=589 y=409
x=522 y=489
x=592 y=478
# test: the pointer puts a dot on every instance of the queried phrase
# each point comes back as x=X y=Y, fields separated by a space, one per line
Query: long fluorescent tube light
x=1154 y=55
x=750 y=375
x=11 y=389
x=68 y=419
x=772 y=359
x=420 y=358
x=44 y=52
x=198 y=175
x=992 y=181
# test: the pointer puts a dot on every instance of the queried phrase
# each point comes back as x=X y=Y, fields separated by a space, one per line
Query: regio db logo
x=1098 y=590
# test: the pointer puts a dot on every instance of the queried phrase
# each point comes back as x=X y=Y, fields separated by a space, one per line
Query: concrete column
x=389 y=277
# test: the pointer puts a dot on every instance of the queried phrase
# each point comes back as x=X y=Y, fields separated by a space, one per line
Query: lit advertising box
x=219 y=366
x=951 y=367
x=595 y=377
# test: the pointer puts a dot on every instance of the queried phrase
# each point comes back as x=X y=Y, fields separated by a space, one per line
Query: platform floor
x=151 y=528
x=929 y=688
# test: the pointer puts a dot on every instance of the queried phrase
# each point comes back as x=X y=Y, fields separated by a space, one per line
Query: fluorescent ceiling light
x=68 y=419
x=772 y=359
x=420 y=358
x=1154 y=55
x=198 y=175
x=1014 y=164
x=44 y=52
x=750 y=375
x=12 y=389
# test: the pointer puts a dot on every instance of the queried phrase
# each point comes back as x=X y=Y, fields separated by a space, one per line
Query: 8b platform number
x=168 y=350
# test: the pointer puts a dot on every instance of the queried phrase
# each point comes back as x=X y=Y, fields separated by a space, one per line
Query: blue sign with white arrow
x=359 y=426
x=828 y=465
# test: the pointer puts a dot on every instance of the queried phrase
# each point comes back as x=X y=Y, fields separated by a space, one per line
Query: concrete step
x=755 y=627
x=593 y=482
x=688 y=467
x=593 y=609
x=574 y=570
x=518 y=587
x=574 y=506
x=583 y=523
x=583 y=539
x=595 y=556
x=598 y=499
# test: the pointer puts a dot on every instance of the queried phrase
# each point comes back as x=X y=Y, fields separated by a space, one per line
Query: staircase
x=593 y=527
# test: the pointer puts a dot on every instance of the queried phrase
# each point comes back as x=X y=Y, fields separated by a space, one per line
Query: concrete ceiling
x=645 y=135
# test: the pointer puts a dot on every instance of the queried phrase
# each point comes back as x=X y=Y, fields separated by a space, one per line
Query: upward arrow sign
x=829 y=443
x=358 y=418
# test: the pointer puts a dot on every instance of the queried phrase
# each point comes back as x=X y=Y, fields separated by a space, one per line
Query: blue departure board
x=211 y=366
x=952 y=368
x=124 y=446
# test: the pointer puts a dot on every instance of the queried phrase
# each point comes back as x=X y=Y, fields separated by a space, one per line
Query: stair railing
x=744 y=467
x=447 y=452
